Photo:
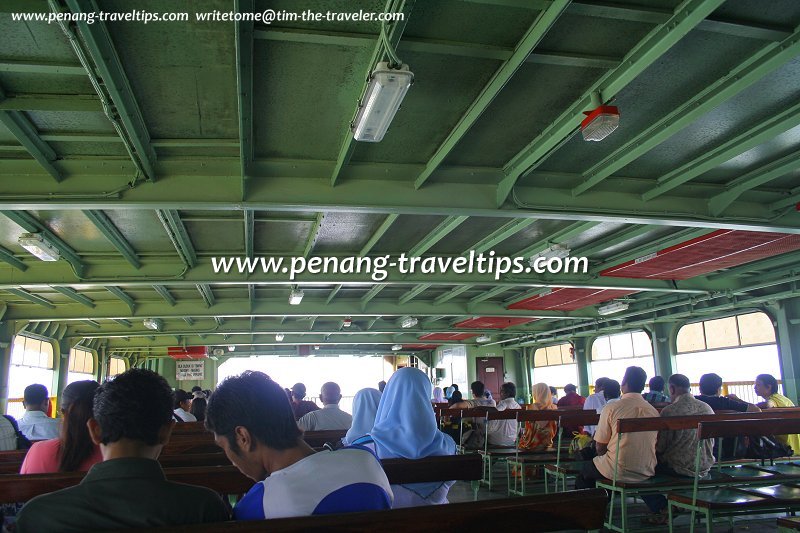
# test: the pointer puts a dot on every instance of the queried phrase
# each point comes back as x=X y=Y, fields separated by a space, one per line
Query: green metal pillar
x=581 y=358
x=61 y=351
x=787 y=314
x=7 y=332
x=661 y=337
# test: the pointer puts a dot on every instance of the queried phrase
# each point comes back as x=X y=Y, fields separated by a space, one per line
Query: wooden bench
x=582 y=510
x=787 y=525
x=228 y=479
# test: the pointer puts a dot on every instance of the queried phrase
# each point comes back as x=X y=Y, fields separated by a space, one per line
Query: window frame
x=703 y=322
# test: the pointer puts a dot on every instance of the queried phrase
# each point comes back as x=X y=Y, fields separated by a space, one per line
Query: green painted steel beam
x=177 y=233
x=750 y=71
x=311 y=322
x=394 y=34
x=432 y=319
x=755 y=178
x=437 y=234
x=8 y=257
x=25 y=133
x=30 y=224
x=251 y=295
x=372 y=322
x=123 y=322
x=164 y=293
x=536 y=32
x=491 y=293
x=313 y=234
x=760 y=133
x=768 y=265
x=500 y=234
x=413 y=293
x=70 y=103
x=40 y=67
x=615 y=239
x=74 y=295
x=333 y=294
x=25 y=295
x=559 y=237
x=124 y=297
x=525 y=295
x=372 y=293
x=188 y=320
x=243 y=31
x=249 y=232
x=793 y=199
x=219 y=320
x=91 y=323
x=446 y=297
x=649 y=248
x=100 y=48
x=206 y=294
x=112 y=233
x=685 y=17
x=382 y=229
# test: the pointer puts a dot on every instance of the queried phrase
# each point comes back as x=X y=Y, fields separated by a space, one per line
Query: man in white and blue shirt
x=35 y=424
x=253 y=423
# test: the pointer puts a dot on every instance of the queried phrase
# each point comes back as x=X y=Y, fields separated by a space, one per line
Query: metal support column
x=661 y=337
x=581 y=358
x=787 y=314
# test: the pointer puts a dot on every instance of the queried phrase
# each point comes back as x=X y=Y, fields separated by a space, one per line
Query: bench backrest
x=748 y=426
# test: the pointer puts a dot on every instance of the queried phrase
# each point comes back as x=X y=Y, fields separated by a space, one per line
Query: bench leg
x=669 y=516
x=547 y=482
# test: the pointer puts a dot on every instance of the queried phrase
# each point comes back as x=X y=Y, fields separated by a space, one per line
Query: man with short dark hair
x=595 y=402
x=634 y=455
x=301 y=407
x=710 y=387
x=35 y=424
x=504 y=432
x=132 y=422
x=330 y=416
x=252 y=422
x=381 y=385
x=183 y=404
x=656 y=394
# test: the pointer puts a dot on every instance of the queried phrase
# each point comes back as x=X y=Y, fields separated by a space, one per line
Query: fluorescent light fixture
x=556 y=251
x=231 y=348
x=600 y=122
x=39 y=246
x=612 y=307
x=153 y=323
x=483 y=338
x=279 y=337
x=409 y=322
x=397 y=347
x=316 y=346
x=387 y=88
x=295 y=297
x=347 y=322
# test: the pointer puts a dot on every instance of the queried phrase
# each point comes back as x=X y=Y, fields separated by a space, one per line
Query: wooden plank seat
x=552 y=512
x=786 y=525
x=228 y=479
x=779 y=493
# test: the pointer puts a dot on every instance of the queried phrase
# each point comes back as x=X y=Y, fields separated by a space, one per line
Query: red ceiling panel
x=568 y=299
x=189 y=352
x=714 y=251
x=447 y=336
x=420 y=346
x=493 y=322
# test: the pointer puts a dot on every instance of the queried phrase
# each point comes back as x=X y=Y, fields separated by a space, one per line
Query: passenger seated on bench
x=365 y=405
x=504 y=432
x=183 y=406
x=301 y=407
x=538 y=436
x=405 y=427
x=35 y=424
x=656 y=394
x=254 y=424
x=676 y=449
x=132 y=422
x=572 y=399
x=637 y=451
x=330 y=417
x=710 y=387
x=475 y=439
x=595 y=402
x=766 y=386
x=74 y=450
x=611 y=392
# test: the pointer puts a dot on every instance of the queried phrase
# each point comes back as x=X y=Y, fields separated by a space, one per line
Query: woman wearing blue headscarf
x=365 y=405
x=405 y=427
x=438 y=395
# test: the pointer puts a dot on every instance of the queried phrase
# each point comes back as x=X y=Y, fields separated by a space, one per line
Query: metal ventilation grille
x=568 y=299
x=447 y=336
x=493 y=322
x=714 y=251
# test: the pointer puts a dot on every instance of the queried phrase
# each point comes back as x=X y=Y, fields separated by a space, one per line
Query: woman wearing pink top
x=73 y=451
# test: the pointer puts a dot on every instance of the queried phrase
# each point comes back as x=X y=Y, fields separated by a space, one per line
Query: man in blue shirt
x=253 y=423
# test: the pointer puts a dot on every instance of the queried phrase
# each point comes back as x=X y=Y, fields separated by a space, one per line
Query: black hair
x=252 y=400
x=180 y=397
x=611 y=389
x=599 y=383
x=35 y=394
x=570 y=387
x=455 y=387
x=455 y=398
x=553 y=390
x=635 y=378
x=478 y=388
x=710 y=384
x=76 y=444
x=199 y=408
x=509 y=390
x=135 y=405
x=298 y=391
x=197 y=388
x=680 y=381
x=656 y=384
x=769 y=381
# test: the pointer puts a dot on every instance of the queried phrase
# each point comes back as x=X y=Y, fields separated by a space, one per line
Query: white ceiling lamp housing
x=397 y=347
x=612 y=307
x=601 y=121
x=387 y=88
x=483 y=338
x=347 y=322
x=556 y=251
x=409 y=322
x=153 y=323
x=231 y=348
x=279 y=337
x=39 y=246
x=295 y=297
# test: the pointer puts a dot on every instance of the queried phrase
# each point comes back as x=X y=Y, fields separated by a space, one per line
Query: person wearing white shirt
x=595 y=402
x=35 y=424
x=8 y=435
x=330 y=416
x=504 y=432
x=183 y=402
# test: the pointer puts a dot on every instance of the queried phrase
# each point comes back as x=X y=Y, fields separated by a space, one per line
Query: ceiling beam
x=123 y=322
x=206 y=294
x=414 y=292
x=100 y=48
x=491 y=293
x=74 y=295
x=382 y=229
x=372 y=293
x=792 y=199
x=249 y=232
x=40 y=67
x=536 y=32
x=663 y=37
x=31 y=225
x=164 y=293
x=25 y=133
x=176 y=232
x=243 y=31
x=446 y=297
x=649 y=248
x=437 y=234
x=112 y=233
x=313 y=234
x=393 y=35
x=333 y=294
x=8 y=257
x=754 y=68
x=499 y=235
x=615 y=239
x=123 y=297
x=559 y=237
x=25 y=295
x=70 y=103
